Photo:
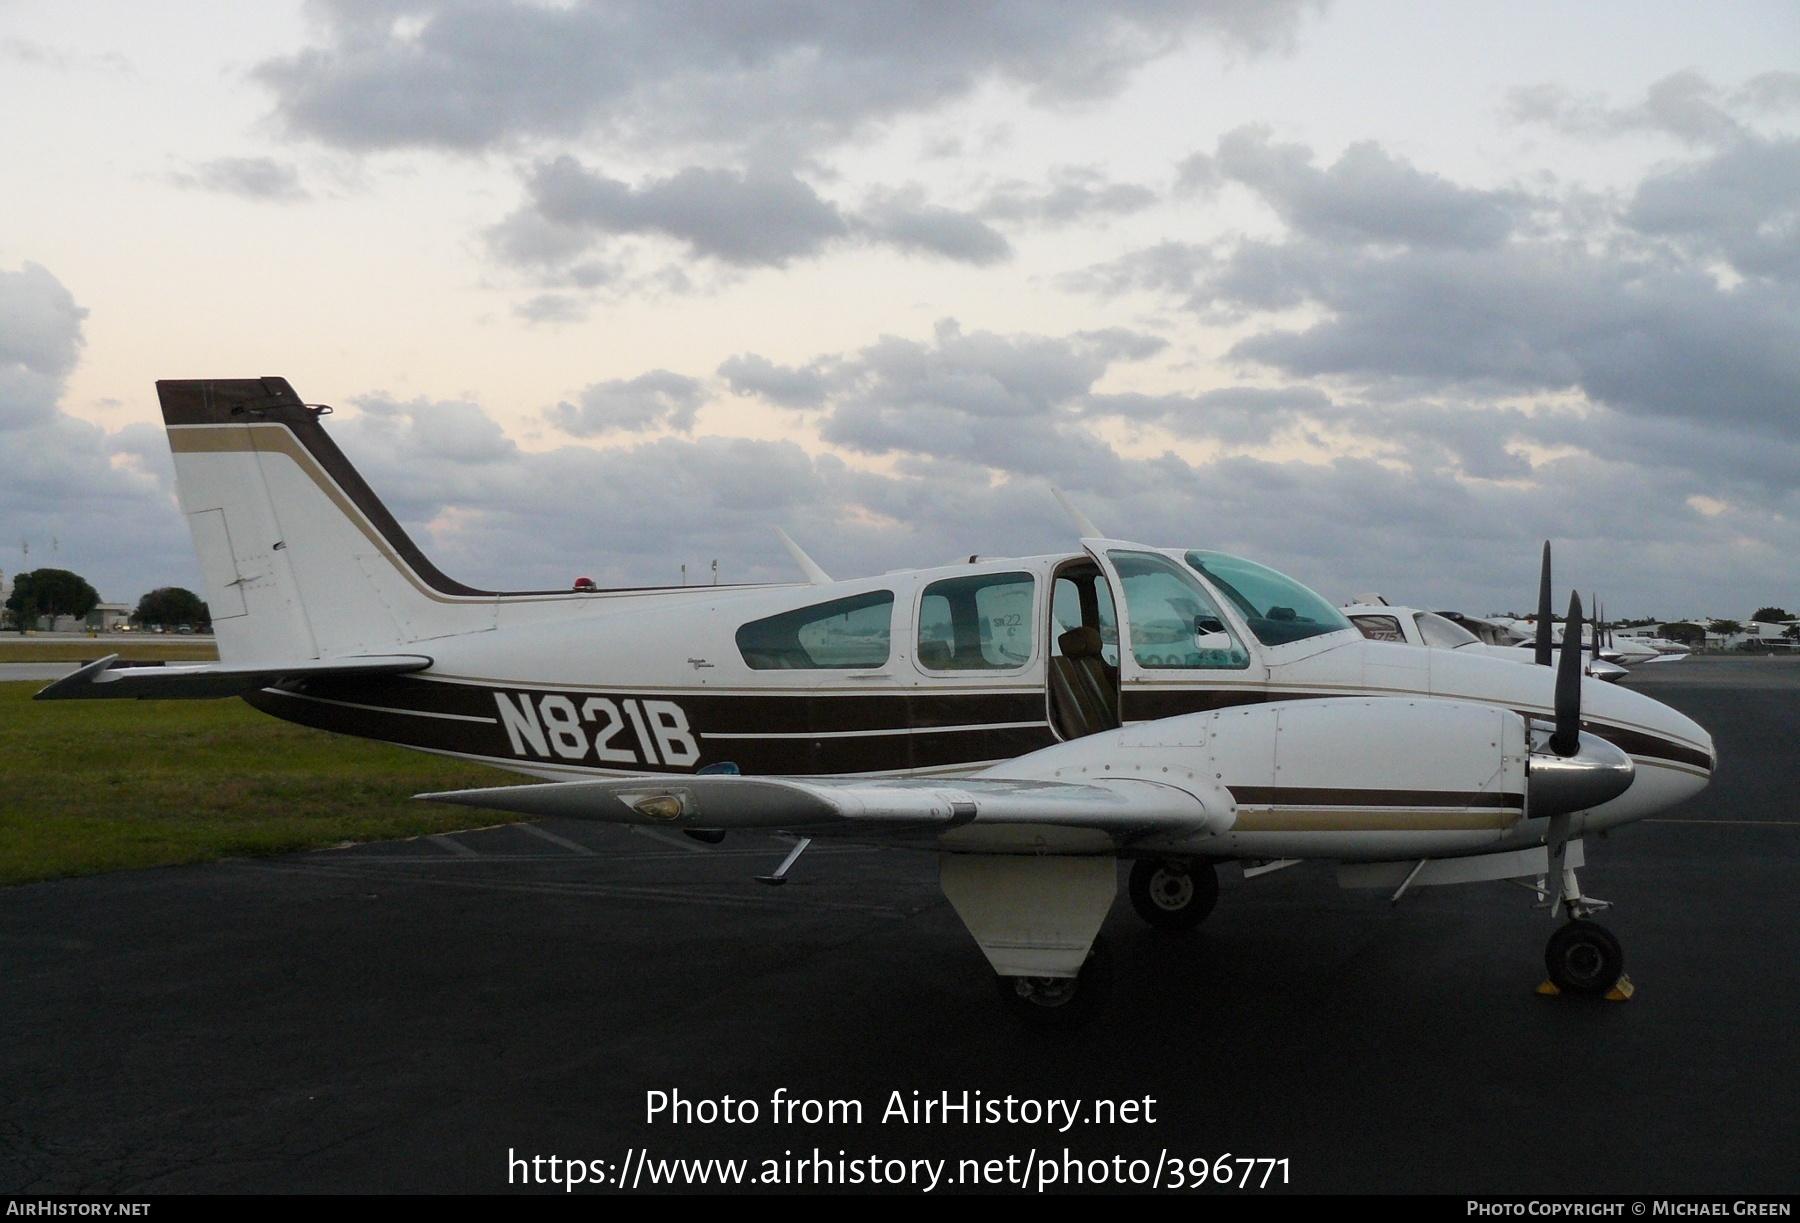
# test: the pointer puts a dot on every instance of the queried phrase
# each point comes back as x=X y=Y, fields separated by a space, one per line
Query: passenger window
x=839 y=635
x=1380 y=628
x=1174 y=622
x=980 y=623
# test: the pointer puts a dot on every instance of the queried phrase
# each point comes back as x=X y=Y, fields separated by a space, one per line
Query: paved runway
x=399 y=1016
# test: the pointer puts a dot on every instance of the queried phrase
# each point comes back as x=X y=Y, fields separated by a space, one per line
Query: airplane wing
x=107 y=678
x=822 y=806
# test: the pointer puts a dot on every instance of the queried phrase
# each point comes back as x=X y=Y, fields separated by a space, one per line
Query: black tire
x=1173 y=894
x=1584 y=958
x=1060 y=1003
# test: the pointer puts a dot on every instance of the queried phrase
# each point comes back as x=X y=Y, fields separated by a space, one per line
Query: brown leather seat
x=1084 y=689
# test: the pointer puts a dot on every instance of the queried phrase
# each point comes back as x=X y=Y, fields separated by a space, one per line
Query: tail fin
x=301 y=559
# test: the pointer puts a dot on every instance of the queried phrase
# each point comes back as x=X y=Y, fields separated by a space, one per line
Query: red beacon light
x=585 y=584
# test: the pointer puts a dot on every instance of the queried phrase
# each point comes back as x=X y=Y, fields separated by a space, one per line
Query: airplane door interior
x=1084 y=652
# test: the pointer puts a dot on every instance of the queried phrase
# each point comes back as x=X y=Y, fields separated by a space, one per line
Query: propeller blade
x=1544 y=608
x=1566 y=741
x=1594 y=602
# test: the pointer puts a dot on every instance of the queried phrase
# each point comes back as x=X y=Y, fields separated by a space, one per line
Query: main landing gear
x=1061 y=1002
x=1174 y=893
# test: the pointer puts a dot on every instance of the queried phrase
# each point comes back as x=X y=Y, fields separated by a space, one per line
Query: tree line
x=53 y=593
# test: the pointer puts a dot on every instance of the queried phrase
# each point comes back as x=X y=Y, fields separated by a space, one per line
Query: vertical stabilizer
x=301 y=560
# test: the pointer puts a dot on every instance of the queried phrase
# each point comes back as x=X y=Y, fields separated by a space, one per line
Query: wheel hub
x=1172 y=891
x=1583 y=961
x=1045 y=991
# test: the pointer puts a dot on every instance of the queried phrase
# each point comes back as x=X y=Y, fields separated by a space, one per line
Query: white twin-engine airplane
x=1031 y=720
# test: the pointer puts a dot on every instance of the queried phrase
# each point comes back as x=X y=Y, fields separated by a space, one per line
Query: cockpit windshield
x=1278 y=609
x=1442 y=633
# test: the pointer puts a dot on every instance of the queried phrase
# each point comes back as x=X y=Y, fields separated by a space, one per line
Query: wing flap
x=106 y=678
x=825 y=805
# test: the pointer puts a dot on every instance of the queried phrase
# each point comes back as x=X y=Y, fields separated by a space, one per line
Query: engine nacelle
x=1349 y=778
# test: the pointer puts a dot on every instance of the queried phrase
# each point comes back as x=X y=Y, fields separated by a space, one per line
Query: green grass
x=14 y=648
x=89 y=786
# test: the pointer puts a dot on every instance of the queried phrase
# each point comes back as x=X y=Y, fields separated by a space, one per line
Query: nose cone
x=1597 y=773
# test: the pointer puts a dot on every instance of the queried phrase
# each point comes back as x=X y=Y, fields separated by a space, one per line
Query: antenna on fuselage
x=808 y=566
x=1083 y=523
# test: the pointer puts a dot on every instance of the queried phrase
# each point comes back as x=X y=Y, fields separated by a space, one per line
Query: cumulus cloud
x=970 y=426
x=759 y=217
x=904 y=220
x=551 y=308
x=106 y=497
x=453 y=430
x=1685 y=105
x=631 y=514
x=784 y=386
x=977 y=399
x=40 y=340
x=1741 y=204
x=1073 y=193
x=1243 y=415
x=799 y=73
x=39 y=55
x=1414 y=287
x=1365 y=196
x=656 y=400
x=250 y=178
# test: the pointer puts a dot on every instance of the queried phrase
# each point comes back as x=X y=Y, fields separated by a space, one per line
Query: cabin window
x=1379 y=628
x=840 y=635
x=1174 y=622
x=979 y=623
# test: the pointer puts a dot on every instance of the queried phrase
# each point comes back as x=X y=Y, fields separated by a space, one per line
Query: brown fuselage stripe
x=925 y=733
x=928 y=730
x=899 y=731
x=1637 y=743
x=1304 y=796
x=1315 y=820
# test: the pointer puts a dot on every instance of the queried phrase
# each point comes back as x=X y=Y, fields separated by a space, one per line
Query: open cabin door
x=1174 y=640
x=1082 y=678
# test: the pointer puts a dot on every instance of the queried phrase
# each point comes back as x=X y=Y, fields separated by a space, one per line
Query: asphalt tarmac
x=401 y=1016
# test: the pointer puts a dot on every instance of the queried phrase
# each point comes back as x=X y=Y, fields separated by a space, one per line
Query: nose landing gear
x=1584 y=957
x=1174 y=893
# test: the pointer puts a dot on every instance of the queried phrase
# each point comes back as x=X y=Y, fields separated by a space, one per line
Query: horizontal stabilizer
x=826 y=805
x=107 y=678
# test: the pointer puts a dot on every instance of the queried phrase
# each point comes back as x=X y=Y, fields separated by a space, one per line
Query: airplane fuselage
x=659 y=682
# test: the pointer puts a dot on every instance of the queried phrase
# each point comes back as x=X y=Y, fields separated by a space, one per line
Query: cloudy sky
x=1380 y=293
